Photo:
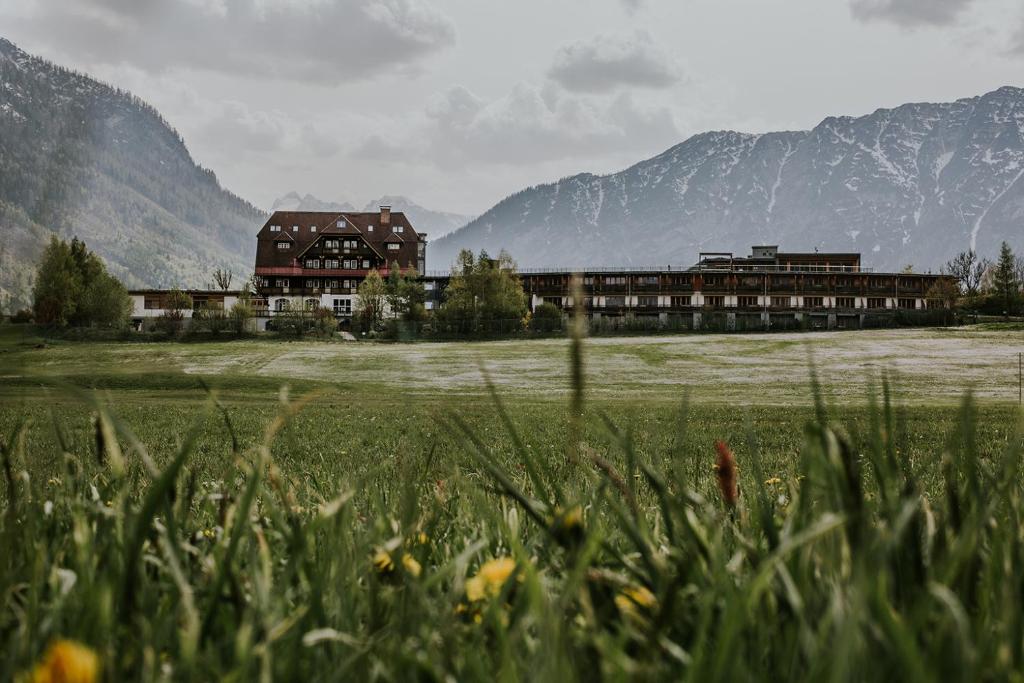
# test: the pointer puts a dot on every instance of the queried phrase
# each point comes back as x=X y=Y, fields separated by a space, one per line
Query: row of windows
x=341 y=224
x=718 y=301
x=334 y=264
x=283 y=282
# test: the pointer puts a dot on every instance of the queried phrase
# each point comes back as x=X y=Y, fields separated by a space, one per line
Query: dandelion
x=67 y=662
x=773 y=481
x=567 y=525
x=383 y=563
x=411 y=566
x=490 y=578
x=726 y=473
x=635 y=599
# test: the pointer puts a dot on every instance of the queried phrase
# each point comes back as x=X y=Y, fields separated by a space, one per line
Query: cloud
x=909 y=13
x=608 y=63
x=528 y=125
x=319 y=41
x=632 y=6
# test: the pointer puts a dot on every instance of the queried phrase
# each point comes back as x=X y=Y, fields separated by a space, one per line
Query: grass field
x=351 y=538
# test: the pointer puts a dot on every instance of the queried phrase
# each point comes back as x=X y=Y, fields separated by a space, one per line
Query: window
x=428 y=286
x=313 y=263
x=747 y=302
x=342 y=307
x=313 y=284
x=781 y=302
x=553 y=300
x=615 y=280
x=908 y=304
x=312 y=228
x=331 y=244
x=341 y=222
x=712 y=280
x=312 y=304
x=876 y=302
x=394 y=246
x=588 y=280
x=284 y=245
x=615 y=301
x=398 y=228
x=714 y=301
x=351 y=244
x=295 y=228
x=281 y=305
x=153 y=302
x=647 y=301
x=331 y=263
x=281 y=282
x=369 y=228
x=647 y=280
x=814 y=302
x=275 y=228
x=846 y=302
x=366 y=263
x=681 y=301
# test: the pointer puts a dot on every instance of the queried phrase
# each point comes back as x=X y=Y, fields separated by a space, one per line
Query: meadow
x=542 y=509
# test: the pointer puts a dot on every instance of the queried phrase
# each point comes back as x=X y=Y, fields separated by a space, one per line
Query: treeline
x=988 y=286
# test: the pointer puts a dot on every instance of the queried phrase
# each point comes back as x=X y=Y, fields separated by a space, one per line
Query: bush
x=546 y=318
x=22 y=316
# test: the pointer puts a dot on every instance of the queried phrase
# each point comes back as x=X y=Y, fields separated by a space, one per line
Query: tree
x=222 y=278
x=210 y=317
x=484 y=295
x=546 y=318
x=405 y=294
x=372 y=297
x=242 y=313
x=1005 y=284
x=74 y=288
x=175 y=303
x=58 y=286
x=968 y=270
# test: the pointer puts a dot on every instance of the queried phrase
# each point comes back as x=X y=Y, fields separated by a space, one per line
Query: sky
x=456 y=104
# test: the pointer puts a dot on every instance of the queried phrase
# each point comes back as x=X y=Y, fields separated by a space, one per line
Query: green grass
x=173 y=508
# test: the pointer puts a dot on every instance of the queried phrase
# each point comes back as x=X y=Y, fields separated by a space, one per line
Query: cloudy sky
x=458 y=103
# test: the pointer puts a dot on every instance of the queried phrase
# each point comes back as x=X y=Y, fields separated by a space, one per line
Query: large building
x=306 y=258
x=769 y=289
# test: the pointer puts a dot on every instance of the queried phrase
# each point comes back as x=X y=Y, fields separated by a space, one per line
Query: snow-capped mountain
x=434 y=223
x=78 y=157
x=911 y=185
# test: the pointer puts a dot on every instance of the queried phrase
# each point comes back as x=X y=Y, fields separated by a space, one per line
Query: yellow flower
x=772 y=481
x=631 y=600
x=422 y=538
x=489 y=580
x=412 y=567
x=383 y=563
x=67 y=662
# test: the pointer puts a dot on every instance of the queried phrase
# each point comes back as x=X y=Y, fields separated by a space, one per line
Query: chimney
x=385 y=215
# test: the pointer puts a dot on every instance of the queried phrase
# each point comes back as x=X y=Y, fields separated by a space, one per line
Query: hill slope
x=78 y=157
x=916 y=184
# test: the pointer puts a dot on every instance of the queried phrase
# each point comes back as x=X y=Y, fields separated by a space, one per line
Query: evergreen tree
x=1005 y=284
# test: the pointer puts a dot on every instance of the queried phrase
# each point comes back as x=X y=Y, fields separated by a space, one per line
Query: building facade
x=767 y=290
x=318 y=259
x=150 y=304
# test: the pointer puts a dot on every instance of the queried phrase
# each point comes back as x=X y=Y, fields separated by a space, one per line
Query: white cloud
x=607 y=63
x=909 y=13
x=321 y=41
x=528 y=125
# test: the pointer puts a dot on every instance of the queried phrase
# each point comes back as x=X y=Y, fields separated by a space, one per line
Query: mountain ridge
x=909 y=184
x=82 y=158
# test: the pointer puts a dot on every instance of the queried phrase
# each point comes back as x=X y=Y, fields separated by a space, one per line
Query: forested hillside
x=81 y=158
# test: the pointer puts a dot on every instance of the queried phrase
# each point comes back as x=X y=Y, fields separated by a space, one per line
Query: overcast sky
x=458 y=103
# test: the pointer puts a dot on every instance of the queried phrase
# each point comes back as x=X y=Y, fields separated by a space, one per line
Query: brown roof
x=365 y=225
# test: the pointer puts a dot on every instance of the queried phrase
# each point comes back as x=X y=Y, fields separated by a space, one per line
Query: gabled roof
x=394 y=238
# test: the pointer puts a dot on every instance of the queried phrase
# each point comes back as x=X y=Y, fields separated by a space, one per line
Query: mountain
x=78 y=157
x=911 y=185
x=434 y=223
x=293 y=202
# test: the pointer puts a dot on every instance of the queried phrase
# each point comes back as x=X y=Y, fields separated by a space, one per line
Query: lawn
x=328 y=510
